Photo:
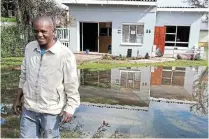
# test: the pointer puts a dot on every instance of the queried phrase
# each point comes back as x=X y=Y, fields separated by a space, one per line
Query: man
x=48 y=84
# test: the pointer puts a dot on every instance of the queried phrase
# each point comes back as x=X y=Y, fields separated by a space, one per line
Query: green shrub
x=11 y=43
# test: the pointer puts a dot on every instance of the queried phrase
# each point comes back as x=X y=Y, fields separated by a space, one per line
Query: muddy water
x=160 y=102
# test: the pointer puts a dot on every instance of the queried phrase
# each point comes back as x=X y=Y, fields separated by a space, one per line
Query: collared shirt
x=49 y=82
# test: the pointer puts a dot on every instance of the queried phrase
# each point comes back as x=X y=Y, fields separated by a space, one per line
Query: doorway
x=89 y=36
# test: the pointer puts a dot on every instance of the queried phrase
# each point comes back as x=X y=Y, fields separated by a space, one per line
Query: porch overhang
x=112 y=2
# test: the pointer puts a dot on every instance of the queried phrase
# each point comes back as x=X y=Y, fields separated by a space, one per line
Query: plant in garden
x=11 y=43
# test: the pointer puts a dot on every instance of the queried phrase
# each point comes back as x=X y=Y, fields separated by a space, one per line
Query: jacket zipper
x=38 y=78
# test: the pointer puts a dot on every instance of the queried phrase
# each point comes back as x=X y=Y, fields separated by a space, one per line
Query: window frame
x=176 y=42
x=123 y=43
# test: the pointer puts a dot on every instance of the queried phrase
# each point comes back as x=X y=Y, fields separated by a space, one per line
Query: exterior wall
x=192 y=19
x=117 y=15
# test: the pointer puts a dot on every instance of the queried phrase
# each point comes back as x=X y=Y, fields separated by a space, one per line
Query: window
x=130 y=80
x=105 y=32
x=132 y=34
x=177 y=36
x=173 y=77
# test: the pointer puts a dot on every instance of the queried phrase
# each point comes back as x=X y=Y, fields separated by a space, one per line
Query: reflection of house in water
x=174 y=82
x=129 y=86
x=137 y=86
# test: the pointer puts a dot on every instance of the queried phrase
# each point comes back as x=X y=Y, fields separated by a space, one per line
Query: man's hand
x=17 y=106
x=66 y=117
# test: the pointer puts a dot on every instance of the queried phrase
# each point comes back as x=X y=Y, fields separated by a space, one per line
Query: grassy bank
x=11 y=62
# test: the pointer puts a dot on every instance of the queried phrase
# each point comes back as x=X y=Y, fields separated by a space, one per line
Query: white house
x=133 y=26
x=203 y=38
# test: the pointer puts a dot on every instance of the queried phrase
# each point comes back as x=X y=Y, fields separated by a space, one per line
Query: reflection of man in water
x=48 y=82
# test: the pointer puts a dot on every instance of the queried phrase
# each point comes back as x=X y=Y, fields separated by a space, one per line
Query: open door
x=159 y=39
x=89 y=36
x=105 y=36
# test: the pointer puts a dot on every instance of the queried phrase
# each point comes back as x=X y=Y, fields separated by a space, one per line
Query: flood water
x=164 y=102
x=158 y=102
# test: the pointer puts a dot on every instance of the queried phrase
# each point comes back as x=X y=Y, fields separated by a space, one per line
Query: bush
x=11 y=43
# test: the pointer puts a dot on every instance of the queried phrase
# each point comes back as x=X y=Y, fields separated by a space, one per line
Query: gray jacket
x=49 y=83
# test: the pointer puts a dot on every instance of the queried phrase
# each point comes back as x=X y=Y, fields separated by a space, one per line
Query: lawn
x=11 y=62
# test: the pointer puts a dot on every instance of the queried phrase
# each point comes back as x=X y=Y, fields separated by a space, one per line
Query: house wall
x=117 y=15
x=192 y=19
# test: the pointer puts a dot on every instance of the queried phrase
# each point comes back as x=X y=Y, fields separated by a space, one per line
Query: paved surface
x=81 y=57
x=87 y=57
x=152 y=60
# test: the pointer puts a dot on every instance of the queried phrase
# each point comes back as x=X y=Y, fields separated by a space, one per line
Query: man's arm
x=17 y=104
x=71 y=85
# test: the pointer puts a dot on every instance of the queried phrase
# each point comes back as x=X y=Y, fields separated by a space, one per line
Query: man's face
x=44 y=32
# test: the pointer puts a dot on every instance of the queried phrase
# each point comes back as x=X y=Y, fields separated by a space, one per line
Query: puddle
x=164 y=102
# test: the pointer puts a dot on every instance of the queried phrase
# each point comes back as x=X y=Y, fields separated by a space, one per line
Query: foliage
x=27 y=10
x=200 y=93
x=200 y=4
x=11 y=43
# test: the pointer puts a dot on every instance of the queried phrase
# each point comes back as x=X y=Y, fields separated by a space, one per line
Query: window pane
x=178 y=78
x=169 y=44
x=132 y=33
x=125 y=33
x=140 y=34
x=170 y=29
x=166 y=74
x=166 y=81
x=183 y=34
x=182 y=44
x=110 y=31
x=140 y=29
x=170 y=37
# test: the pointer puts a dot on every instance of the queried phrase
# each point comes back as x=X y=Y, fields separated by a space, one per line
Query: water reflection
x=138 y=102
x=137 y=86
x=143 y=102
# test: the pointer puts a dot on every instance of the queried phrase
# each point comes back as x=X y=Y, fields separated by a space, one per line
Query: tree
x=27 y=10
x=200 y=4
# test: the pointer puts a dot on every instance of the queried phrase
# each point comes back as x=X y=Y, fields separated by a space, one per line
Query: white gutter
x=183 y=9
x=109 y=2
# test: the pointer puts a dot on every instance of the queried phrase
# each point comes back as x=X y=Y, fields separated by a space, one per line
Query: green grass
x=8 y=19
x=114 y=64
x=11 y=62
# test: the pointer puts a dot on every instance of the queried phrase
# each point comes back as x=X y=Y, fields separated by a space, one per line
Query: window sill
x=177 y=48
x=131 y=44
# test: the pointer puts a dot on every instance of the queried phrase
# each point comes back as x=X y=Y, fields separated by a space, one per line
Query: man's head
x=44 y=30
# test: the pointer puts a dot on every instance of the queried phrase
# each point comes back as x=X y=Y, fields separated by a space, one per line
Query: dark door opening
x=89 y=37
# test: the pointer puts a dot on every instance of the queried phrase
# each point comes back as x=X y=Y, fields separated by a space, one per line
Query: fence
x=63 y=34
